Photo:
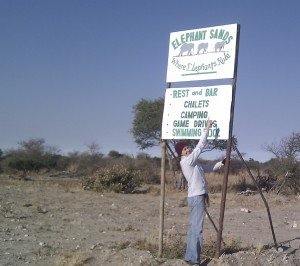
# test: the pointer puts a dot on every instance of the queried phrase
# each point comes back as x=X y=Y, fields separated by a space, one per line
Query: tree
x=114 y=154
x=37 y=147
x=285 y=167
x=143 y=155
x=288 y=147
x=94 y=149
x=33 y=146
x=32 y=155
x=147 y=121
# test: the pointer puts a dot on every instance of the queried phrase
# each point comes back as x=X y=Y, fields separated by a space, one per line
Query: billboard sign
x=202 y=54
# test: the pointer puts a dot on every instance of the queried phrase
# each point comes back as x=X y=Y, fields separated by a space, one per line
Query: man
x=197 y=193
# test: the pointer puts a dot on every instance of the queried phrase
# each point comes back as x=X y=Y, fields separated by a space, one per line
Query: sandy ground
x=55 y=222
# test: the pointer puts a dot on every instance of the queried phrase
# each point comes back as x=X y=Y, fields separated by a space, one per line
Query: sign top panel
x=202 y=54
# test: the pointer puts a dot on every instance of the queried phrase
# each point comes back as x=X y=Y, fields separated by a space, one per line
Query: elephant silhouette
x=202 y=46
x=219 y=46
x=186 y=47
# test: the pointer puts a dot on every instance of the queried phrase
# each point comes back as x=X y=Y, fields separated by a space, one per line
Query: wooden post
x=228 y=151
x=162 y=197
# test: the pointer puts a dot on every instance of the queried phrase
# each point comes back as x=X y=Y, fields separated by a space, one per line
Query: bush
x=32 y=155
x=20 y=161
x=84 y=163
x=147 y=167
x=283 y=175
x=149 y=170
x=118 y=179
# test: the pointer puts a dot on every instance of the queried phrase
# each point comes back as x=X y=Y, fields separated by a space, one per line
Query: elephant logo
x=202 y=46
x=219 y=46
x=186 y=47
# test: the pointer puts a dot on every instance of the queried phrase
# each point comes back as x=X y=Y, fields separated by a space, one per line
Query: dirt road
x=55 y=222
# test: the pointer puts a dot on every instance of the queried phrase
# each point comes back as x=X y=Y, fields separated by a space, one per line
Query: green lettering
x=221 y=33
x=181 y=93
x=190 y=36
x=181 y=123
x=174 y=44
x=229 y=39
x=183 y=40
x=211 y=92
x=187 y=132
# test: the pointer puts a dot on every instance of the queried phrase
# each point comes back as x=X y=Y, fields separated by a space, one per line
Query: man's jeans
x=195 y=236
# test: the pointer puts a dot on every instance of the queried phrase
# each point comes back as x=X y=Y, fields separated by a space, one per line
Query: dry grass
x=233 y=245
x=236 y=183
x=174 y=246
x=120 y=245
x=74 y=259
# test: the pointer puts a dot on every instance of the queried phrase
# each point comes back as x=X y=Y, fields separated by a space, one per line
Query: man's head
x=182 y=148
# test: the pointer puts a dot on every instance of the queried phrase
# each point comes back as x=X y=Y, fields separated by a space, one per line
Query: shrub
x=84 y=163
x=149 y=170
x=173 y=248
x=147 y=167
x=32 y=155
x=114 y=154
x=118 y=179
x=174 y=245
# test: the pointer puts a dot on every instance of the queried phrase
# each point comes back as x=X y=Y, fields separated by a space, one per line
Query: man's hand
x=209 y=123
x=224 y=161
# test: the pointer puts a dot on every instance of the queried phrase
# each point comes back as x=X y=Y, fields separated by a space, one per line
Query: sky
x=72 y=70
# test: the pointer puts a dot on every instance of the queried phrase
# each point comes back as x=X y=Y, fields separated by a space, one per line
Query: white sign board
x=187 y=110
x=202 y=54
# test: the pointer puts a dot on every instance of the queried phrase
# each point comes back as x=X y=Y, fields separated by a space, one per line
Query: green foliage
x=35 y=155
x=147 y=121
x=25 y=164
x=114 y=154
x=32 y=155
x=117 y=179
